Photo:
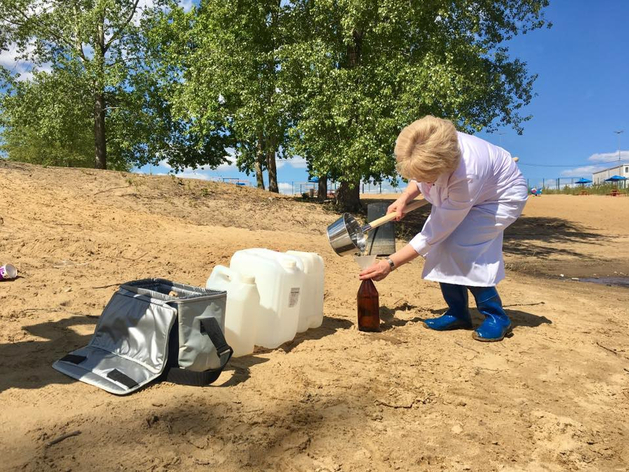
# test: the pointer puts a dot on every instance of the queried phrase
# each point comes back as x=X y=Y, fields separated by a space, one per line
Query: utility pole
x=500 y=135
x=618 y=133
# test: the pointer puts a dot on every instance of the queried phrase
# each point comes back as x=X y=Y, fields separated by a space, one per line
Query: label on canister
x=293 y=298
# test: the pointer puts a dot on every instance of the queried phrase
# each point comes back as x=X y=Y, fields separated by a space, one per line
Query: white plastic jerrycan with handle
x=241 y=309
x=280 y=280
x=311 y=309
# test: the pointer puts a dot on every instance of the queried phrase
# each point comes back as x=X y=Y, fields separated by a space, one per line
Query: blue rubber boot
x=458 y=315
x=497 y=324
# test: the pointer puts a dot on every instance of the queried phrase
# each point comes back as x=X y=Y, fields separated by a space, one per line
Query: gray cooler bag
x=153 y=328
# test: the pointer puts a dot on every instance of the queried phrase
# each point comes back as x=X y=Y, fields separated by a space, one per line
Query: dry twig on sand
x=465 y=347
x=62 y=437
x=606 y=348
x=109 y=189
x=106 y=286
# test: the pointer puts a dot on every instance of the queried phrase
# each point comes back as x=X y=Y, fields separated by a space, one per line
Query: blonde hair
x=427 y=148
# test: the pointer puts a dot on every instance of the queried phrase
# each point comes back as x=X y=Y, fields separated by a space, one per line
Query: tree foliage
x=233 y=77
x=86 y=32
x=107 y=79
x=332 y=81
x=369 y=67
x=47 y=120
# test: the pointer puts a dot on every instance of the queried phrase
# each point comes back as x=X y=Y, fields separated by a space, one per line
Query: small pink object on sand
x=8 y=272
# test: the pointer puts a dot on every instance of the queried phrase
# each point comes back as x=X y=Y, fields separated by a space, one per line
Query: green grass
x=601 y=189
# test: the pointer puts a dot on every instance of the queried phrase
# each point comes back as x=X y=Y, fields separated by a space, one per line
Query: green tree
x=233 y=76
x=74 y=30
x=47 y=120
x=107 y=80
x=367 y=68
x=146 y=128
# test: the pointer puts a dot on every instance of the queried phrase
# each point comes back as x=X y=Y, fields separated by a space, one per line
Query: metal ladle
x=347 y=236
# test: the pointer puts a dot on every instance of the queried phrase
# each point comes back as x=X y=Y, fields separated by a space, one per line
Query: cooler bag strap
x=211 y=328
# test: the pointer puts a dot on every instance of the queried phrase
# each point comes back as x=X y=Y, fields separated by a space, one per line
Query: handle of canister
x=391 y=216
x=219 y=272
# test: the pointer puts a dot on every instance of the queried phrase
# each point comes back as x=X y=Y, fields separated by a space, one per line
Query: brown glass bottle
x=368 y=307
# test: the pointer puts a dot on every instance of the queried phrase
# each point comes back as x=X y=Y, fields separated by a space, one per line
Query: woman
x=476 y=191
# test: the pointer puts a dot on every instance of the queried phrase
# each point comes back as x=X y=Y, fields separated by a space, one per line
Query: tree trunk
x=258 y=165
x=99 y=96
x=322 y=191
x=355 y=49
x=272 y=170
x=271 y=166
x=348 y=194
x=348 y=199
x=100 y=161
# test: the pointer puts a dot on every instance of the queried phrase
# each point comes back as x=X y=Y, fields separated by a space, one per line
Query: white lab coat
x=462 y=238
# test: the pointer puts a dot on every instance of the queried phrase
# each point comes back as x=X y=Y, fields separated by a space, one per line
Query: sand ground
x=553 y=397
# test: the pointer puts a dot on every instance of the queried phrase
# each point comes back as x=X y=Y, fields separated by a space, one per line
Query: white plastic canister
x=280 y=284
x=311 y=310
x=241 y=309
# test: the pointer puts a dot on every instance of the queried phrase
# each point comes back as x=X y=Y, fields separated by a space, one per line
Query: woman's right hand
x=398 y=207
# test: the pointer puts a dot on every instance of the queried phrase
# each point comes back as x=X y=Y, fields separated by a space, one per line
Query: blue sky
x=582 y=64
x=582 y=98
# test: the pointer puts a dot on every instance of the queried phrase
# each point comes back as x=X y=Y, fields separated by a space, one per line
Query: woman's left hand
x=377 y=271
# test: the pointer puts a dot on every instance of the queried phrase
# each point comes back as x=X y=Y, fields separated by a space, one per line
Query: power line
x=548 y=165
x=568 y=166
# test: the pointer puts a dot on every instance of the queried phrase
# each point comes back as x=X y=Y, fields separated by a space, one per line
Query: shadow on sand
x=518 y=317
x=329 y=326
x=28 y=364
x=528 y=236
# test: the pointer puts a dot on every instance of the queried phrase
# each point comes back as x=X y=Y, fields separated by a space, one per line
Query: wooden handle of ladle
x=391 y=216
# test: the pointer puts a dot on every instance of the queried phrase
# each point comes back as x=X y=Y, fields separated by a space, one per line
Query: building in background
x=621 y=170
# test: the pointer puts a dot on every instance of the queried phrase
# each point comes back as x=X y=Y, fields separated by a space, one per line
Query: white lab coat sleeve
x=443 y=219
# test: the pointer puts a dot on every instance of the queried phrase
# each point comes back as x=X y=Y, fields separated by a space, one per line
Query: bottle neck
x=367 y=287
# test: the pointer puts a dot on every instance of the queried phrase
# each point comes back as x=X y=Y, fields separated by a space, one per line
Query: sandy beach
x=552 y=397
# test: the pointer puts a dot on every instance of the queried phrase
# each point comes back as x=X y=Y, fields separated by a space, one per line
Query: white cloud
x=10 y=59
x=231 y=164
x=187 y=5
x=601 y=161
x=187 y=171
x=296 y=162
x=88 y=50
x=142 y=5
x=192 y=175
x=285 y=188
x=164 y=164
x=585 y=171
x=611 y=157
